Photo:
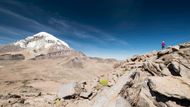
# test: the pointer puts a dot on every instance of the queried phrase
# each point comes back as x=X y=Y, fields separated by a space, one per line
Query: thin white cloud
x=84 y=31
x=13 y=31
x=27 y=21
x=16 y=15
x=62 y=26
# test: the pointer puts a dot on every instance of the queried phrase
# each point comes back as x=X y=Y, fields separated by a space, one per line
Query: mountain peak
x=42 y=43
x=44 y=34
x=48 y=36
x=41 y=38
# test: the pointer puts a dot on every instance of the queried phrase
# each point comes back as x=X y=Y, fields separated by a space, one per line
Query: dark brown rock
x=12 y=57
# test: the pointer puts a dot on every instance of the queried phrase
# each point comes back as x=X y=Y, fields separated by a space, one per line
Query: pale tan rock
x=152 y=68
x=164 y=52
x=69 y=90
x=175 y=48
x=86 y=95
x=170 y=86
x=145 y=99
x=185 y=45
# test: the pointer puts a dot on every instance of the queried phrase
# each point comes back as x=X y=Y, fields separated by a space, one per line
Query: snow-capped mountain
x=41 y=40
x=42 y=43
x=40 y=46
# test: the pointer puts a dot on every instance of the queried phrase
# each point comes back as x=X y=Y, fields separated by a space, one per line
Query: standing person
x=163 y=44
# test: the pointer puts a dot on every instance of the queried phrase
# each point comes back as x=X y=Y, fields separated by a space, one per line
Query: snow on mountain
x=40 y=40
x=42 y=43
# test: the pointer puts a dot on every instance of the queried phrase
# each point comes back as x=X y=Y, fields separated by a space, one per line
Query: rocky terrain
x=57 y=79
x=31 y=75
x=157 y=79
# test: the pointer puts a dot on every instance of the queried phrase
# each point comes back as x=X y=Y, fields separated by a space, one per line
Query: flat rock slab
x=163 y=52
x=86 y=94
x=170 y=86
x=67 y=90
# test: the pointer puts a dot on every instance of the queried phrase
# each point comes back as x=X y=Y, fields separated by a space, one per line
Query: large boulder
x=69 y=91
x=164 y=70
x=185 y=53
x=170 y=86
x=179 y=69
x=144 y=98
x=184 y=71
x=121 y=102
x=185 y=45
x=174 y=48
x=152 y=68
x=164 y=52
x=174 y=68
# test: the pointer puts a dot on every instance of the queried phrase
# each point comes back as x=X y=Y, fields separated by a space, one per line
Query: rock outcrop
x=158 y=79
x=69 y=91
x=12 y=57
x=171 y=86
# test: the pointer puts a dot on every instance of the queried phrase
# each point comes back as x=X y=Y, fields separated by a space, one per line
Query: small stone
x=86 y=95
x=134 y=58
x=14 y=96
x=22 y=100
x=39 y=94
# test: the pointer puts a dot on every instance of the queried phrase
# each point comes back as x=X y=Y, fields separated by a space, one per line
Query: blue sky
x=101 y=28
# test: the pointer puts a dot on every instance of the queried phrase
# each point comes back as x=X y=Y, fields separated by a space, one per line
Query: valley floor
x=34 y=81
